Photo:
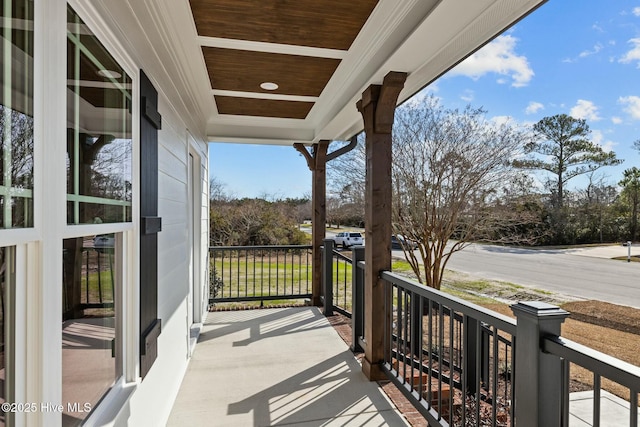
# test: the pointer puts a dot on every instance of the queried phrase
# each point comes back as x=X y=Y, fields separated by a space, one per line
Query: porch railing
x=458 y=363
x=602 y=366
x=260 y=273
x=337 y=279
x=452 y=359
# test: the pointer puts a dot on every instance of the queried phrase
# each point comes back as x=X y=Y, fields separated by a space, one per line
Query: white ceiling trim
x=264 y=95
x=287 y=49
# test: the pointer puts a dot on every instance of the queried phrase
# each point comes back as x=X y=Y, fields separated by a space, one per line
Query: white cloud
x=596 y=48
x=419 y=97
x=598 y=138
x=632 y=105
x=502 y=120
x=585 y=110
x=467 y=96
x=636 y=11
x=498 y=57
x=616 y=120
x=534 y=107
x=634 y=54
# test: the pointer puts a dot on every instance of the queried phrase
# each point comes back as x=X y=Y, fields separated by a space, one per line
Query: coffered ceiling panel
x=242 y=70
x=262 y=107
x=326 y=24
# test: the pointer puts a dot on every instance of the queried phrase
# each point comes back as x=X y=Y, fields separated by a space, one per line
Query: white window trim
x=129 y=309
x=38 y=351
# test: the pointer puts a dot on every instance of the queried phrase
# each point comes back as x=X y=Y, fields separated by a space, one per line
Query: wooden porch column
x=377 y=107
x=317 y=163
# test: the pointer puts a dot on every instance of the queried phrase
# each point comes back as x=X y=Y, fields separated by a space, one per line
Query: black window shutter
x=150 y=224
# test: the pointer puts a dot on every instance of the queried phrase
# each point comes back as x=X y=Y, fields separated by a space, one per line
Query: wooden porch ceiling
x=240 y=73
x=212 y=56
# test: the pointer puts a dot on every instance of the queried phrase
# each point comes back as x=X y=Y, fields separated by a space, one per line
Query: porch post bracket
x=311 y=162
x=392 y=85
x=384 y=97
x=353 y=142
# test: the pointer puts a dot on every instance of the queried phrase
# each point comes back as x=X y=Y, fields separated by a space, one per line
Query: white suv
x=347 y=239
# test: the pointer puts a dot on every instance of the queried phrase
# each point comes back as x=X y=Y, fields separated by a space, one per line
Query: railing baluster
x=465 y=366
x=270 y=252
x=566 y=372
x=633 y=408
x=262 y=272
x=402 y=335
x=222 y=277
x=478 y=370
x=411 y=335
x=299 y=272
x=346 y=286
x=430 y=344
x=451 y=362
x=494 y=376
x=421 y=346
x=339 y=280
x=596 y=400
x=512 y=389
x=440 y=356
x=254 y=273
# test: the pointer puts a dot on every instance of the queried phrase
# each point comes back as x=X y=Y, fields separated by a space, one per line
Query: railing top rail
x=603 y=364
x=457 y=304
x=261 y=247
x=341 y=256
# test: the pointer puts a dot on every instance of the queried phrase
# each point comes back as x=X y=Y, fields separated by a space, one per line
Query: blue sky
x=578 y=57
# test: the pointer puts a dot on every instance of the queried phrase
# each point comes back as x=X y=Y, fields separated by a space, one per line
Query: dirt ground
x=609 y=328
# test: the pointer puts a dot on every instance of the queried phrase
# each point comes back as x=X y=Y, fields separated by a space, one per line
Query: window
x=16 y=114
x=99 y=145
x=99 y=191
x=90 y=338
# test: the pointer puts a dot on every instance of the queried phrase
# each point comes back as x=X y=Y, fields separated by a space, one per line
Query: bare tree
x=448 y=170
x=345 y=181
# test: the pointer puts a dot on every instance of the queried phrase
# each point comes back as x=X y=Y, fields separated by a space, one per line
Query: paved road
x=582 y=273
x=558 y=271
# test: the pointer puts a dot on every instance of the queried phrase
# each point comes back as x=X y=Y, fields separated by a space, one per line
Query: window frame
x=127 y=264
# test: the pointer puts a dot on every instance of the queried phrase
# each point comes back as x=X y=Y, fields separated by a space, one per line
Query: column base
x=373 y=371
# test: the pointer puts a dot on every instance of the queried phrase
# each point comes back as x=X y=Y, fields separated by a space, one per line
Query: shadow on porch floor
x=277 y=367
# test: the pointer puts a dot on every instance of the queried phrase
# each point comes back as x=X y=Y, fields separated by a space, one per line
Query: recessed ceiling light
x=269 y=86
x=109 y=74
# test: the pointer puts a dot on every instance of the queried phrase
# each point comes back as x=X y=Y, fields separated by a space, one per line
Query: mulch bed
x=618 y=317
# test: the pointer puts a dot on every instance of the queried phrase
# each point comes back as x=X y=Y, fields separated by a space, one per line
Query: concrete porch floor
x=277 y=367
